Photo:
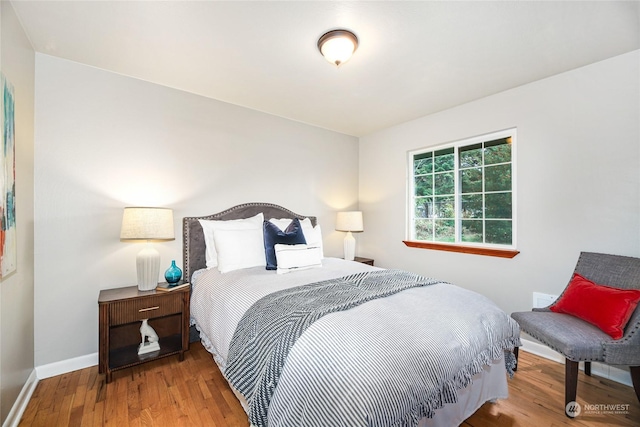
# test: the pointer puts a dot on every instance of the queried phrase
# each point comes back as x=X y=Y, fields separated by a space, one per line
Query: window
x=463 y=193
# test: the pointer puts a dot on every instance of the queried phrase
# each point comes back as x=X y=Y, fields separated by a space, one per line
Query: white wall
x=16 y=289
x=578 y=180
x=105 y=141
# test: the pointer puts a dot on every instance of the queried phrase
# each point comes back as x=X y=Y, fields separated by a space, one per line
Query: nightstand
x=363 y=260
x=121 y=313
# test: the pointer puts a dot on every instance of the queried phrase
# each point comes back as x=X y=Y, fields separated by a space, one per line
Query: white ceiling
x=414 y=59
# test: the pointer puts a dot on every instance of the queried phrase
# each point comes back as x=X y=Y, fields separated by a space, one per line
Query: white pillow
x=312 y=235
x=210 y=226
x=239 y=249
x=297 y=257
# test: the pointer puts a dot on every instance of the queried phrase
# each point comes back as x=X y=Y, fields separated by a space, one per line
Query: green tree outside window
x=463 y=193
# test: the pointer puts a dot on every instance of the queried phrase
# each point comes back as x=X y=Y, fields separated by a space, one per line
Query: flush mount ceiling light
x=337 y=46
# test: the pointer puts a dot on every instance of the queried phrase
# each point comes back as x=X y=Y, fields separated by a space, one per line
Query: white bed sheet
x=217 y=308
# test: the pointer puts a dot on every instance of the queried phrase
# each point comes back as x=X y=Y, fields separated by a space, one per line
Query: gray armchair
x=578 y=340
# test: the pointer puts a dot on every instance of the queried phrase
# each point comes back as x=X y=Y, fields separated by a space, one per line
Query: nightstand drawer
x=134 y=310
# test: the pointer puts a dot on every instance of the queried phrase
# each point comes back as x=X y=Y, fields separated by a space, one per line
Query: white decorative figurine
x=147 y=332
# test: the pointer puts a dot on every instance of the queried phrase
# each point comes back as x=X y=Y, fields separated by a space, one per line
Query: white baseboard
x=69 y=365
x=42 y=372
x=64 y=366
x=19 y=406
x=606 y=371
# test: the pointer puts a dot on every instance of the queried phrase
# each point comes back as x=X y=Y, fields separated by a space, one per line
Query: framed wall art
x=7 y=180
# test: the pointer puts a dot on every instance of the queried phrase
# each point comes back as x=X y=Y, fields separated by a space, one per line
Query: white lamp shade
x=141 y=223
x=337 y=46
x=349 y=221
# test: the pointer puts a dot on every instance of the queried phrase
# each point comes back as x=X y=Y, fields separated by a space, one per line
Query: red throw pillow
x=603 y=306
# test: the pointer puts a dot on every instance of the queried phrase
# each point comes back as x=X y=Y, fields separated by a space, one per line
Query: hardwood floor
x=168 y=393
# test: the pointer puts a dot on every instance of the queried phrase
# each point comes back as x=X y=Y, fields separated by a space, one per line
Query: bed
x=323 y=341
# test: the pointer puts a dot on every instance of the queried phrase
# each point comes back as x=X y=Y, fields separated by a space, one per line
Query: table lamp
x=349 y=221
x=141 y=223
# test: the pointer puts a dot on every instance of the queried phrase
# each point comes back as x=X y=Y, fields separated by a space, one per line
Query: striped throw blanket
x=270 y=328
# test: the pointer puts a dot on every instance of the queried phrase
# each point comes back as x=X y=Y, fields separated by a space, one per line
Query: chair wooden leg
x=570 y=382
x=587 y=368
x=516 y=350
x=635 y=379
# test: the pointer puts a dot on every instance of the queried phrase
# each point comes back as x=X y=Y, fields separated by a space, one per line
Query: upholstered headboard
x=193 y=246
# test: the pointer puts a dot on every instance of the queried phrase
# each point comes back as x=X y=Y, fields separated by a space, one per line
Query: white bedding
x=216 y=307
x=219 y=301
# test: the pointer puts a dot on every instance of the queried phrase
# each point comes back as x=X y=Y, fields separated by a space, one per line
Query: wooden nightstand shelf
x=121 y=313
x=363 y=260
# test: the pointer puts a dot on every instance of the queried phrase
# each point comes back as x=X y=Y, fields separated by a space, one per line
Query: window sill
x=502 y=253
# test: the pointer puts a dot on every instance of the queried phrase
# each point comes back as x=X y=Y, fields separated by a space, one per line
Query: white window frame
x=410 y=202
